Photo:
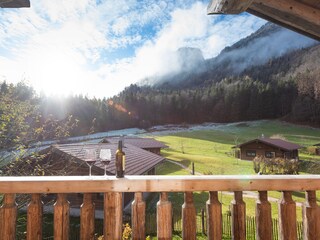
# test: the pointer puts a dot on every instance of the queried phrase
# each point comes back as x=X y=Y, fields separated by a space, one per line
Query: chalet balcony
x=112 y=188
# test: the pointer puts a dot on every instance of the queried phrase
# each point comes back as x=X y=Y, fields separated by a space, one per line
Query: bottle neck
x=120 y=145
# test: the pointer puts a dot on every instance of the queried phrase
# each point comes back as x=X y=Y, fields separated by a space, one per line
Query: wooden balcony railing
x=113 y=189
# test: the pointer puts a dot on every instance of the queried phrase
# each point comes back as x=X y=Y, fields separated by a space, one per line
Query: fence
x=151 y=225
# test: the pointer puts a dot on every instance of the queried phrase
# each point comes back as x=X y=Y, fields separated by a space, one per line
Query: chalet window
x=251 y=153
x=270 y=154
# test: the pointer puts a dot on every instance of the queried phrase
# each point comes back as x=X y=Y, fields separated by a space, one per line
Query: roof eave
x=292 y=14
x=14 y=3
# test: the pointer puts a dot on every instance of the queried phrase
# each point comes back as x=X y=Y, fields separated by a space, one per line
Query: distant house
x=317 y=148
x=269 y=148
x=148 y=144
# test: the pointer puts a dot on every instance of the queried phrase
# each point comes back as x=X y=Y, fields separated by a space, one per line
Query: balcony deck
x=113 y=189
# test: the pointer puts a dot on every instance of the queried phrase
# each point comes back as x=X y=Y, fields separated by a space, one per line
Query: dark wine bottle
x=120 y=161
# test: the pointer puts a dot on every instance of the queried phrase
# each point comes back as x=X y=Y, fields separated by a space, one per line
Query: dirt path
x=183 y=166
x=247 y=194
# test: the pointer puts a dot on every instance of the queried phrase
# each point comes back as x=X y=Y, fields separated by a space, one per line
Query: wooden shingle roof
x=274 y=142
x=143 y=143
x=138 y=161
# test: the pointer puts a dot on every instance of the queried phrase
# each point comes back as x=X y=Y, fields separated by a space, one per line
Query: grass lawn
x=211 y=152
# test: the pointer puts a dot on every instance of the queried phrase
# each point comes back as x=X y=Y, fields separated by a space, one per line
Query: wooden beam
x=292 y=7
x=98 y=184
x=291 y=14
x=14 y=3
x=228 y=6
x=295 y=29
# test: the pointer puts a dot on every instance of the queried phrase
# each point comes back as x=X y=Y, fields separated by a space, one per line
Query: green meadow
x=211 y=152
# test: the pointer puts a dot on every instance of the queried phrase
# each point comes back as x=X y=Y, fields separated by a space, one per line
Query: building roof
x=144 y=143
x=138 y=161
x=274 y=142
x=14 y=3
x=302 y=16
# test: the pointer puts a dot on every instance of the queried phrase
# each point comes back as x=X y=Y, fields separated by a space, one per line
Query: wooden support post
x=263 y=217
x=193 y=172
x=61 y=217
x=310 y=213
x=189 y=224
x=238 y=214
x=138 y=214
x=34 y=218
x=164 y=218
x=113 y=216
x=203 y=228
x=8 y=217
x=87 y=216
x=287 y=217
x=214 y=217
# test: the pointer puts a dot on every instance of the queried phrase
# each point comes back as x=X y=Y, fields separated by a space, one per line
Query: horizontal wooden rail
x=97 y=184
x=113 y=189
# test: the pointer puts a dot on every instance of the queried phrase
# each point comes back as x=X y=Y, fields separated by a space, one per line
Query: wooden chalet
x=300 y=15
x=148 y=144
x=269 y=148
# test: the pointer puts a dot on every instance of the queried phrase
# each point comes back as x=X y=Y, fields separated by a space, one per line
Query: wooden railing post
x=164 y=218
x=310 y=213
x=189 y=224
x=34 y=218
x=61 y=217
x=287 y=217
x=87 y=216
x=8 y=215
x=263 y=217
x=214 y=217
x=238 y=214
x=113 y=216
x=138 y=213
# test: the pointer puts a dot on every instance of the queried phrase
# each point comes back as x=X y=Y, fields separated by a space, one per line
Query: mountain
x=269 y=43
x=188 y=63
x=273 y=73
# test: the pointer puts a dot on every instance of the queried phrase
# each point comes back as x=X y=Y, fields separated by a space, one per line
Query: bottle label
x=123 y=162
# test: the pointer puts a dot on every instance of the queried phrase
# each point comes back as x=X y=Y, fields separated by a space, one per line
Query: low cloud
x=262 y=49
x=87 y=34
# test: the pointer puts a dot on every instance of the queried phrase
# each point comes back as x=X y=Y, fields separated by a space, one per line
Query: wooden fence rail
x=260 y=228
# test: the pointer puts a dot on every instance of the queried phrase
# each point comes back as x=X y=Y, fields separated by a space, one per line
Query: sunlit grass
x=211 y=152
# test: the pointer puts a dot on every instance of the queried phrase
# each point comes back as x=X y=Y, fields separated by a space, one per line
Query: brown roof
x=143 y=143
x=298 y=15
x=279 y=143
x=138 y=161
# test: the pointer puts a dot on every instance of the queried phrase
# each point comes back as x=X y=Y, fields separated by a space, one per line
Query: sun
x=55 y=72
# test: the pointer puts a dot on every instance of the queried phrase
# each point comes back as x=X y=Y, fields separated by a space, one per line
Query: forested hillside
x=273 y=73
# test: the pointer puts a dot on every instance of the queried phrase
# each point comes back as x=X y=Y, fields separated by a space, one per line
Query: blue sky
x=96 y=48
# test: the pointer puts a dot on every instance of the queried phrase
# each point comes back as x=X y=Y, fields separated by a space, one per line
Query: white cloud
x=70 y=41
x=189 y=27
x=59 y=11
